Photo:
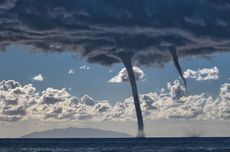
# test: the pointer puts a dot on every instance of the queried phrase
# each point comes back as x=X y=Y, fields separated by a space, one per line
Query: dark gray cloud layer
x=101 y=30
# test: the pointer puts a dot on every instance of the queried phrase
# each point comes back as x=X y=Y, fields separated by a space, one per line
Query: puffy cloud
x=84 y=67
x=38 y=77
x=71 y=71
x=176 y=90
x=8 y=85
x=19 y=102
x=15 y=99
x=122 y=76
x=203 y=74
x=52 y=96
x=54 y=104
x=225 y=91
x=88 y=100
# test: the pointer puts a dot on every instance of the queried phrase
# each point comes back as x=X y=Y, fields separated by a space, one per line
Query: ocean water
x=116 y=144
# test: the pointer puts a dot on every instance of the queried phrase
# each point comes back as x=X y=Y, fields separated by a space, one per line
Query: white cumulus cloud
x=88 y=100
x=38 y=77
x=203 y=74
x=84 y=67
x=19 y=102
x=71 y=71
x=14 y=100
x=122 y=76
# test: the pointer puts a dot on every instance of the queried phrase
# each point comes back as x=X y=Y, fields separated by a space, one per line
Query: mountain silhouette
x=76 y=133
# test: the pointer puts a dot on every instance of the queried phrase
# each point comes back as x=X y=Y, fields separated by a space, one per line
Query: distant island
x=77 y=133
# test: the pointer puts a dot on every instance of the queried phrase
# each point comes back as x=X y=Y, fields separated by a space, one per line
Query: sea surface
x=117 y=144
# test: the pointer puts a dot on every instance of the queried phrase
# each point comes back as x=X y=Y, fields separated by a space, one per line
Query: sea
x=117 y=144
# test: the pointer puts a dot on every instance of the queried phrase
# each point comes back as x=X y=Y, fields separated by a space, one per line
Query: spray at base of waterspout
x=141 y=134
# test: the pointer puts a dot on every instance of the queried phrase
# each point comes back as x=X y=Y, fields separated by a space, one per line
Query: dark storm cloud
x=102 y=30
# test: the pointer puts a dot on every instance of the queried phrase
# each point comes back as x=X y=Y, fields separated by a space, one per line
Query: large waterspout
x=128 y=65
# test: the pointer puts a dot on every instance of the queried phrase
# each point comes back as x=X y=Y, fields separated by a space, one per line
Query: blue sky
x=19 y=64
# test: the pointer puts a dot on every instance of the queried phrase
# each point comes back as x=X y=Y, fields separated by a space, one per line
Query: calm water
x=109 y=145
